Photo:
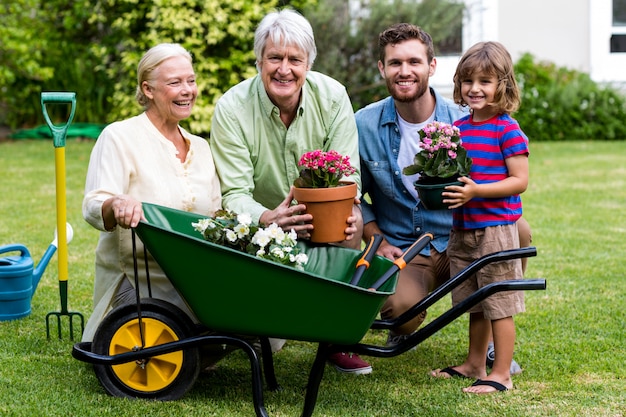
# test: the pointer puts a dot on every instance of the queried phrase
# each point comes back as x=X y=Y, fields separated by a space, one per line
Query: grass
x=570 y=342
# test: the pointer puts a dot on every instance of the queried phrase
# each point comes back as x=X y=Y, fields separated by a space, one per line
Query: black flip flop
x=498 y=386
x=453 y=373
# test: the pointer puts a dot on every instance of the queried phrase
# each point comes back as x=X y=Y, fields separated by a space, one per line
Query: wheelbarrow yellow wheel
x=164 y=377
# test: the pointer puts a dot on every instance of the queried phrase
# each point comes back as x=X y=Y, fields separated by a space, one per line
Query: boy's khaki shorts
x=465 y=246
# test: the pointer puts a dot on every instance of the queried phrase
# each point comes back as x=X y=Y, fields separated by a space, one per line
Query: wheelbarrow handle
x=404 y=259
x=364 y=261
x=58 y=131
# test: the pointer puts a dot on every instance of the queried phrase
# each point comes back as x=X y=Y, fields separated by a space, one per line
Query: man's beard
x=405 y=98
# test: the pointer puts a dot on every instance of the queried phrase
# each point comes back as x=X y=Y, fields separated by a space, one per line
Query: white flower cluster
x=239 y=232
x=275 y=242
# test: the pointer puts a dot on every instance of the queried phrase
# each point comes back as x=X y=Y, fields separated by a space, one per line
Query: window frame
x=606 y=66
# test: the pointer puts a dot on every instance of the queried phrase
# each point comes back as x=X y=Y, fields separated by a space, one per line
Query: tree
x=22 y=63
x=346 y=34
x=93 y=47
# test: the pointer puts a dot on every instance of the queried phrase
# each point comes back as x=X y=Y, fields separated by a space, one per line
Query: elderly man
x=263 y=125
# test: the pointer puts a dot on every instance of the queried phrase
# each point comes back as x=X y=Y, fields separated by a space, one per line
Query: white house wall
x=570 y=33
x=552 y=30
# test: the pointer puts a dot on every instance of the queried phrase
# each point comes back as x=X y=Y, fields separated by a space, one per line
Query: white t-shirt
x=409 y=146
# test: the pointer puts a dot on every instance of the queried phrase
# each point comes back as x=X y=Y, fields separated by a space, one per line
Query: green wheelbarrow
x=151 y=349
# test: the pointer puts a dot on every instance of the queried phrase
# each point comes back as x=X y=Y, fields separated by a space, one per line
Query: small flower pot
x=330 y=208
x=429 y=193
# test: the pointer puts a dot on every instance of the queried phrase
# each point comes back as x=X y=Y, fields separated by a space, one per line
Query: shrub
x=564 y=104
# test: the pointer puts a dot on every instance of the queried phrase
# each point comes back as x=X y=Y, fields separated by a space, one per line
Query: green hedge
x=75 y=130
x=563 y=104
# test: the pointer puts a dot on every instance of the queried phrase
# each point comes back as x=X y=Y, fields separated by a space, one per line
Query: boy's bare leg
x=474 y=365
x=504 y=343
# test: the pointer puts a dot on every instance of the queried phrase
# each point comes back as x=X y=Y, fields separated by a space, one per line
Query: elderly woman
x=147 y=158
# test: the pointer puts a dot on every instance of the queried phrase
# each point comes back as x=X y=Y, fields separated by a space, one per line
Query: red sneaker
x=350 y=363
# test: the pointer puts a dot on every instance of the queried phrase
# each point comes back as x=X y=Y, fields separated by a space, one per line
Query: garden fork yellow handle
x=59 y=133
x=61 y=202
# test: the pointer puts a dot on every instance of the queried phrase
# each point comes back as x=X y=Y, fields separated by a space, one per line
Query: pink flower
x=442 y=154
x=323 y=169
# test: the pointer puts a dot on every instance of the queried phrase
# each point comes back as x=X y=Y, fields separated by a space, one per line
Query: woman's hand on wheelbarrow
x=122 y=210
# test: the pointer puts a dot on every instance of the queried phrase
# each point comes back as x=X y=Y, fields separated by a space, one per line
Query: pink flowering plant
x=442 y=154
x=321 y=169
x=237 y=231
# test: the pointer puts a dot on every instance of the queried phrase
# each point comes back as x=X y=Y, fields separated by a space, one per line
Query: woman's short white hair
x=151 y=61
x=285 y=27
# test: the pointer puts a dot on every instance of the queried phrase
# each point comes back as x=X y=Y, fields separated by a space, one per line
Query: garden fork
x=58 y=135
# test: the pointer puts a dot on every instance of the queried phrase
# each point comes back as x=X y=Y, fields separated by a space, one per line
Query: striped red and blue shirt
x=489 y=143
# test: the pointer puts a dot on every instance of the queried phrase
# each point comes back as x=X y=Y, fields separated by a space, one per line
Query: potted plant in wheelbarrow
x=441 y=160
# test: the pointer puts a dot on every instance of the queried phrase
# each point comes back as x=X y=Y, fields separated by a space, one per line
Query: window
x=607 y=50
x=618 y=35
x=453 y=44
x=619 y=12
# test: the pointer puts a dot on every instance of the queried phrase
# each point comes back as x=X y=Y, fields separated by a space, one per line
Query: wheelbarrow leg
x=257 y=380
x=268 y=365
x=315 y=378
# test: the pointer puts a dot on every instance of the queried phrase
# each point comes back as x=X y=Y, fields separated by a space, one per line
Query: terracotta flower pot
x=330 y=208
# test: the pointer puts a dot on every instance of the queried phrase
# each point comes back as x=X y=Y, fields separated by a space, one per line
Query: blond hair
x=491 y=59
x=151 y=61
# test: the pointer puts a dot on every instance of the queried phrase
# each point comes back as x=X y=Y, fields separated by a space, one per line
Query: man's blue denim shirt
x=400 y=217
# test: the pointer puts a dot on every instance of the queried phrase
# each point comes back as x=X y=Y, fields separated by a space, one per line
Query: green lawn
x=571 y=341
